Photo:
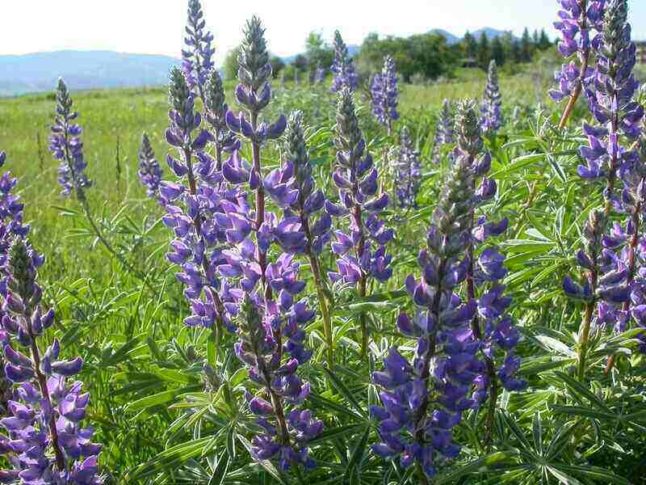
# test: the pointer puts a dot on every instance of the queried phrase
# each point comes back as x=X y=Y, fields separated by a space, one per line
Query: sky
x=156 y=26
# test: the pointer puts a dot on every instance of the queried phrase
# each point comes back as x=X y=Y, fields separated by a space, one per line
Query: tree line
x=421 y=56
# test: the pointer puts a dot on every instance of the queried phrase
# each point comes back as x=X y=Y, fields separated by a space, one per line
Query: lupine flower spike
x=485 y=271
x=612 y=102
x=619 y=117
x=215 y=113
x=407 y=171
x=343 y=71
x=423 y=401
x=491 y=103
x=292 y=187
x=443 y=131
x=150 y=173
x=361 y=247
x=66 y=146
x=384 y=94
x=197 y=55
x=44 y=440
x=193 y=209
x=11 y=227
x=269 y=320
x=580 y=24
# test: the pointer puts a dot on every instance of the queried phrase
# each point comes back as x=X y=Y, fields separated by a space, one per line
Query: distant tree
x=535 y=38
x=469 y=46
x=432 y=55
x=507 y=40
x=515 y=51
x=317 y=51
x=498 y=51
x=230 y=64
x=277 y=65
x=300 y=63
x=484 y=51
x=426 y=55
x=526 y=47
x=544 y=41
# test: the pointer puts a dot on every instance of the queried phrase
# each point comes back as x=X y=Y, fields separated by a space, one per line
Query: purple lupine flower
x=385 y=93
x=611 y=101
x=633 y=253
x=319 y=74
x=66 y=146
x=443 y=131
x=491 y=120
x=215 y=113
x=491 y=325
x=272 y=367
x=11 y=214
x=43 y=441
x=260 y=291
x=193 y=209
x=608 y=274
x=362 y=249
x=424 y=400
x=407 y=170
x=361 y=245
x=580 y=23
x=292 y=188
x=150 y=173
x=11 y=227
x=343 y=71
x=197 y=56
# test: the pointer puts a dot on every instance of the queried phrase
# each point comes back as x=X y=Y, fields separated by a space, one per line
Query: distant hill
x=450 y=38
x=81 y=70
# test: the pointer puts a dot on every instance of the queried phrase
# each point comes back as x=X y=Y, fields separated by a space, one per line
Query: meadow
x=172 y=403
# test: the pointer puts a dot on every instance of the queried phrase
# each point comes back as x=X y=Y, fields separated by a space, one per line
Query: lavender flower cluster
x=491 y=103
x=422 y=401
x=384 y=94
x=444 y=131
x=66 y=146
x=271 y=334
x=43 y=440
x=611 y=258
x=197 y=56
x=580 y=23
x=343 y=71
x=407 y=170
x=225 y=234
x=361 y=249
x=150 y=173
